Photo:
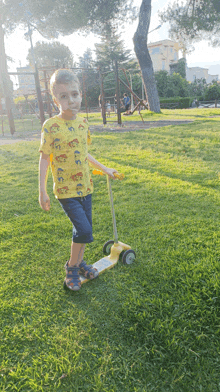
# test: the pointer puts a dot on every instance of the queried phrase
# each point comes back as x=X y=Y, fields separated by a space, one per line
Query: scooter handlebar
x=119 y=176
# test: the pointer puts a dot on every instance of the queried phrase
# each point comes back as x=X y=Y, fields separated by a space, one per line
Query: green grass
x=151 y=326
x=166 y=114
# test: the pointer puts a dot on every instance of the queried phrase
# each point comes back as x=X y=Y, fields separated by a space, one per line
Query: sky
x=203 y=55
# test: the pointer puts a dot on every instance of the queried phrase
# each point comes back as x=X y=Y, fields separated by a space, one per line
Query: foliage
x=89 y=81
x=65 y=17
x=212 y=92
x=22 y=98
x=110 y=48
x=176 y=102
x=151 y=326
x=193 y=20
x=171 y=85
x=179 y=67
x=197 y=88
x=51 y=54
x=86 y=60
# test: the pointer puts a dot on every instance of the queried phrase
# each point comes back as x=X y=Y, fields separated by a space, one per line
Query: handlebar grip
x=119 y=176
x=95 y=171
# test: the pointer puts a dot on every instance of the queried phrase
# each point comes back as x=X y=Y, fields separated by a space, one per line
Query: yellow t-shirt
x=66 y=142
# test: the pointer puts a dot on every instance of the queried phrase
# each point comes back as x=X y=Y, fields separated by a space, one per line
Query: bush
x=171 y=85
x=176 y=102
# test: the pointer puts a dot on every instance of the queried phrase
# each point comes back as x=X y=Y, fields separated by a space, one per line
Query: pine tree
x=110 y=49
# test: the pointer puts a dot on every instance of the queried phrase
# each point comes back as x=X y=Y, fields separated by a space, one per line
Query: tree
x=179 y=67
x=143 y=56
x=89 y=79
x=65 y=17
x=51 y=54
x=5 y=80
x=212 y=92
x=86 y=61
x=110 y=49
x=194 y=20
x=171 y=85
x=197 y=88
x=162 y=82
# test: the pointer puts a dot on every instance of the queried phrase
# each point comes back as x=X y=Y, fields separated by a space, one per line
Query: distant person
x=115 y=103
x=108 y=108
x=127 y=101
x=100 y=102
x=64 y=145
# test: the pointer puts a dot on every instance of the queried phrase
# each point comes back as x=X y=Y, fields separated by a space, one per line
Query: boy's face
x=68 y=97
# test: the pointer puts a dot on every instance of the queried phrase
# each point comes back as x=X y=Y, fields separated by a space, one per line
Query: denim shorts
x=79 y=211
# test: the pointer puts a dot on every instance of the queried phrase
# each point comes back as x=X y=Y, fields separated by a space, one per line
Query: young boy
x=108 y=108
x=64 y=141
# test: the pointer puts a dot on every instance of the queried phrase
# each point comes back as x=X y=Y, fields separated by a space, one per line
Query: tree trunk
x=5 y=80
x=142 y=53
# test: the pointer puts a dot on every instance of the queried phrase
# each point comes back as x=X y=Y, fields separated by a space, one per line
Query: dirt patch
x=136 y=125
x=19 y=137
x=125 y=127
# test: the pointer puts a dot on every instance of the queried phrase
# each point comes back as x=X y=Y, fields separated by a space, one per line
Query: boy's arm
x=101 y=167
x=44 y=199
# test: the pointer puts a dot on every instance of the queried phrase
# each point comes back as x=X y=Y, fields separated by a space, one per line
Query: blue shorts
x=79 y=211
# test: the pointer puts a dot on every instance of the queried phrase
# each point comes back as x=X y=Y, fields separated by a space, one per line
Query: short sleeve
x=46 y=140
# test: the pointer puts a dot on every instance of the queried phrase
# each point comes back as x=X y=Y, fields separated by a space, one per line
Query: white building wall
x=193 y=73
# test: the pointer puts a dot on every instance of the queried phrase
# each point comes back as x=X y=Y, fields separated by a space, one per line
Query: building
x=193 y=73
x=26 y=81
x=163 y=53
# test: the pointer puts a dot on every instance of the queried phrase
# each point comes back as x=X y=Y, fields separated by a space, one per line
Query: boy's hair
x=62 y=76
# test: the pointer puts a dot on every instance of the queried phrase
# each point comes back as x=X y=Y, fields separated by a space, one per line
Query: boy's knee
x=85 y=236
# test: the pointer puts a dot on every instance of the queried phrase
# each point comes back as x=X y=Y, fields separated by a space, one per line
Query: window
x=155 y=50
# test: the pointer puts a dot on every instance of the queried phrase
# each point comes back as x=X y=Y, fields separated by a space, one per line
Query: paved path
x=135 y=125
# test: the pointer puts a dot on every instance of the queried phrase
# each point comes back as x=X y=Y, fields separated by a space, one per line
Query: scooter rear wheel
x=107 y=247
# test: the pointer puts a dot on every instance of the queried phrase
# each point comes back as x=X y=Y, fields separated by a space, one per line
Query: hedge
x=176 y=102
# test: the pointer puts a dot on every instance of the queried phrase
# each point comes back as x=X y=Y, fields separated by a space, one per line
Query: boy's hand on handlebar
x=44 y=201
x=111 y=172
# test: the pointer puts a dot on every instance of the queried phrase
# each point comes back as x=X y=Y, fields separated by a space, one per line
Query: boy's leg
x=76 y=260
x=76 y=255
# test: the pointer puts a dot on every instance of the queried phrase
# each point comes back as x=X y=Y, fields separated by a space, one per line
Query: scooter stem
x=112 y=209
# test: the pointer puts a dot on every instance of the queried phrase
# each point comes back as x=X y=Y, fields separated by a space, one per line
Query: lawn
x=150 y=326
x=166 y=114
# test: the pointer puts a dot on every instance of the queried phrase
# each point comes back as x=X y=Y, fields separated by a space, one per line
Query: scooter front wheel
x=128 y=256
x=107 y=247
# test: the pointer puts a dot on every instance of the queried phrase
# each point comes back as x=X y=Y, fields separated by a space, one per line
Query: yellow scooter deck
x=108 y=262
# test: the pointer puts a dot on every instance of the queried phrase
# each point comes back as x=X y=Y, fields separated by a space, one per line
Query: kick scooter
x=112 y=249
